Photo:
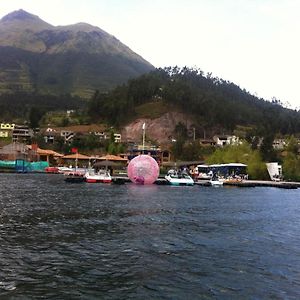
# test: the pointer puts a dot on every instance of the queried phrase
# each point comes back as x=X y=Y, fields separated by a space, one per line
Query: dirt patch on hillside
x=160 y=130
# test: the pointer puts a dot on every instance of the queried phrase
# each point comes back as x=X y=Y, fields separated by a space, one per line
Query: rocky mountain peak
x=19 y=15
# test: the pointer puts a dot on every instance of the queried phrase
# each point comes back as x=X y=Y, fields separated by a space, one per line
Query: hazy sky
x=253 y=43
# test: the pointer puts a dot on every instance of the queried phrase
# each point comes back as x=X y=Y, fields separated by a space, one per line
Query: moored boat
x=74 y=177
x=102 y=176
x=175 y=178
x=216 y=182
x=52 y=170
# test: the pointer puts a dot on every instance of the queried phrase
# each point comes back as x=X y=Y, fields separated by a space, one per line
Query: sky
x=253 y=43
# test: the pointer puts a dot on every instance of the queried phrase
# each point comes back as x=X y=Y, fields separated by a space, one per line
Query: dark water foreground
x=93 y=241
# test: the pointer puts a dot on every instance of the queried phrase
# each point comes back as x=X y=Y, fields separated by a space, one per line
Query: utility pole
x=144 y=126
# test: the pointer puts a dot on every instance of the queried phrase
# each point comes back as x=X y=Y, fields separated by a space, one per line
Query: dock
x=242 y=184
x=256 y=183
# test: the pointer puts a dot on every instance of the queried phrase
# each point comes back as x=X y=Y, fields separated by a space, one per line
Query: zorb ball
x=143 y=169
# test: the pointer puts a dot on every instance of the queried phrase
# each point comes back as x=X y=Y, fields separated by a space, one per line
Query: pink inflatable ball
x=143 y=169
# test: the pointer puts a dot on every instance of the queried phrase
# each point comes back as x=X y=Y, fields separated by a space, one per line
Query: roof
x=46 y=152
x=49 y=152
x=76 y=156
x=112 y=158
x=228 y=165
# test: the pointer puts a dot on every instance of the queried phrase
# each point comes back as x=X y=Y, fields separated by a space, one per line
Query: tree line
x=31 y=107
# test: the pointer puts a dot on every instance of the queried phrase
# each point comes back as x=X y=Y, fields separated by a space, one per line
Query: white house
x=224 y=140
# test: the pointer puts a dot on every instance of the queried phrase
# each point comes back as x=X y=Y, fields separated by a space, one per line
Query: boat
x=215 y=181
x=204 y=173
x=176 y=178
x=102 y=176
x=65 y=170
x=52 y=170
x=74 y=177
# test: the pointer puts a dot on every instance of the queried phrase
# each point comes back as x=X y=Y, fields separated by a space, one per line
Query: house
x=6 y=130
x=207 y=142
x=50 y=135
x=224 y=140
x=22 y=133
x=148 y=149
x=279 y=144
x=117 y=137
x=15 y=151
x=49 y=156
x=69 y=133
x=102 y=135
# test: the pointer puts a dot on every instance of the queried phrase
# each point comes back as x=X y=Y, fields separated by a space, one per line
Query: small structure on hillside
x=224 y=140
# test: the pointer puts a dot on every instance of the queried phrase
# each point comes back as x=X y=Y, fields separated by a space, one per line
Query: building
x=6 y=130
x=279 y=144
x=224 y=140
x=207 y=142
x=22 y=134
x=117 y=137
x=69 y=133
x=15 y=151
x=148 y=149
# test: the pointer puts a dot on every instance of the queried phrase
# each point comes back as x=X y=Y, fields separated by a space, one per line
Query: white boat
x=101 y=176
x=64 y=170
x=175 y=178
x=216 y=182
x=203 y=172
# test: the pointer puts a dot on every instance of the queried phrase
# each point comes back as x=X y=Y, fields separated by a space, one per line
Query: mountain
x=38 y=57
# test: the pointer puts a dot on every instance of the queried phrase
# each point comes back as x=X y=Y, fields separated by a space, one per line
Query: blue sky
x=254 y=43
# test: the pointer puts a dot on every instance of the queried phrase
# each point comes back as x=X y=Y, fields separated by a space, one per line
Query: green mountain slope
x=38 y=57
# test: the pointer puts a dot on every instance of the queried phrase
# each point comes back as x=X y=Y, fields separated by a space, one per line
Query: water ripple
x=61 y=241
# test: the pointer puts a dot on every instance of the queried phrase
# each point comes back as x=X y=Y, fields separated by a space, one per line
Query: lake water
x=93 y=241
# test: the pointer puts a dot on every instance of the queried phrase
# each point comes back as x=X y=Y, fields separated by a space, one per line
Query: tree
x=266 y=148
x=291 y=161
x=292 y=145
x=243 y=153
x=35 y=115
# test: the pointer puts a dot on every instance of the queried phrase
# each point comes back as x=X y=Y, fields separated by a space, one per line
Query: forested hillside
x=214 y=101
x=19 y=105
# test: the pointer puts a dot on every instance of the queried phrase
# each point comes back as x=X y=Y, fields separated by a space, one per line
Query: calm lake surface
x=94 y=241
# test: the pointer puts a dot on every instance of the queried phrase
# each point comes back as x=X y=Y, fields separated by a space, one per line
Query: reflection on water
x=93 y=241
